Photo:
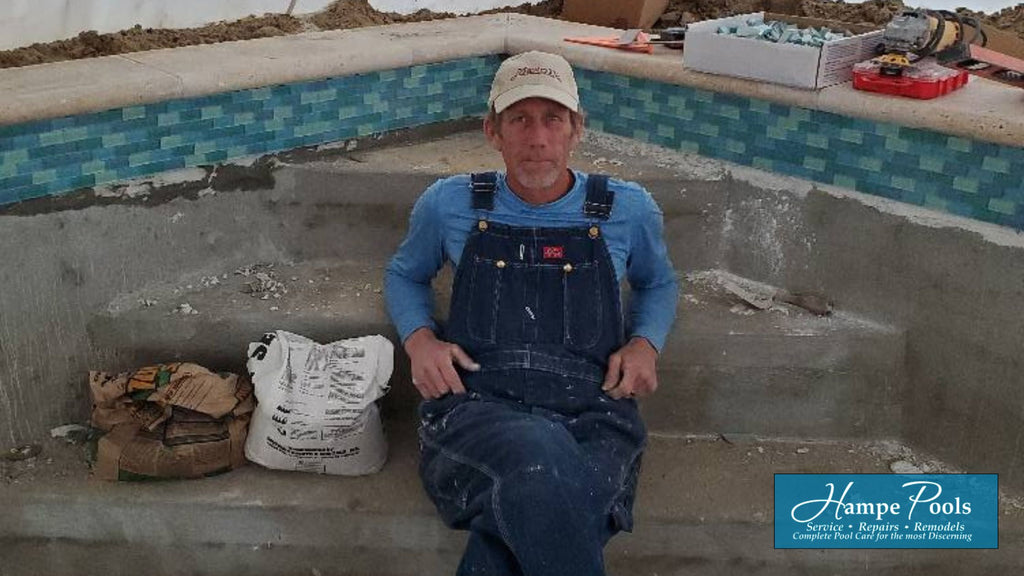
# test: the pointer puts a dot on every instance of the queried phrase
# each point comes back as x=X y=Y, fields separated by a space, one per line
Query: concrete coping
x=984 y=110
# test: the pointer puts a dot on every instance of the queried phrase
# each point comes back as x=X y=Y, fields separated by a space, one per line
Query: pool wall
x=881 y=229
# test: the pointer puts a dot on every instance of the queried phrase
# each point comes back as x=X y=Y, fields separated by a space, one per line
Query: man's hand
x=631 y=370
x=433 y=364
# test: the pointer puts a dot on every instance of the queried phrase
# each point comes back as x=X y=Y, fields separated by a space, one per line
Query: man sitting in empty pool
x=530 y=436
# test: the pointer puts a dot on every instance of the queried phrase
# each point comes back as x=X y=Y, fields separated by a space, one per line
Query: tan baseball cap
x=534 y=75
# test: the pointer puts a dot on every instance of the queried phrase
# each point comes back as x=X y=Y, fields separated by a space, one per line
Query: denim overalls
x=535 y=460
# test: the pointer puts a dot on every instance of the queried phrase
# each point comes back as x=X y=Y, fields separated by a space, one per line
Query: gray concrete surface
x=921 y=348
x=704 y=508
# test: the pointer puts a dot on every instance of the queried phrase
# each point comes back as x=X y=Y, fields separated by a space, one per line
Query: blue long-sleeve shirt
x=443 y=217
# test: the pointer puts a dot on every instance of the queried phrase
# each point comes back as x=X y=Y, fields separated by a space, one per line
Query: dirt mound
x=359 y=13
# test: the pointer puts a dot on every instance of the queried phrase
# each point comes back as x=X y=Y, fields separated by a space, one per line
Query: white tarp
x=317 y=403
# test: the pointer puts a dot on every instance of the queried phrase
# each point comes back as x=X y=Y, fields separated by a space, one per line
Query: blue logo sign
x=886 y=511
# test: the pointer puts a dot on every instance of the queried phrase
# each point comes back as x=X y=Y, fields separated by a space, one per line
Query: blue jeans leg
x=517 y=478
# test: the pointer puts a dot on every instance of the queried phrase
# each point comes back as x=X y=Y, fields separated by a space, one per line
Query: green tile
x=411 y=82
x=261 y=93
x=958 y=144
x=800 y=114
x=776 y=133
x=677 y=101
x=207 y=112
x=347 y=112
x=641 y=135
x=666 y=131
x=274 y=125
x=139 y=158
x=965 y=184
x=689 y=147
x=204 y=147
x=886 y=129
x=643 y=95
x=817 y=141
x=172 y=141
x=729 y=112
x=245 y=118
x=76 y=133
x=283 y=112
x=605 y=98
x=760 y=106
x=8 y=171
x=736 y=146
x=787 y=123
x=707 y=129
x=114 y=140
x=133 y=112
x=365 y=129
x=903 y=183
x=50 y=138
x=44 y=176
x=628 y=113
x=931 y=164
x=936 y=202
x=93 y=167
x=897 y=144
x=993 y=164
x=844 y=181
x=1002 y=206
x=318 y=96
x=703 y=96
x=762 y=163
x=853 y=136
x=816 y=164
x=168 y=118
x=871 y=164
x=14 y=156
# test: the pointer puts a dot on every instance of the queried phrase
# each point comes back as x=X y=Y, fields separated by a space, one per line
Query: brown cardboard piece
x=622 y=14
x=174 y=420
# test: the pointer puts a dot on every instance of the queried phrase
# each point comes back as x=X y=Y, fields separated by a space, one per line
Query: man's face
x=535 y=137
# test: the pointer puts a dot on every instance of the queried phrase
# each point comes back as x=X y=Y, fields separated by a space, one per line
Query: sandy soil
x=358 y=13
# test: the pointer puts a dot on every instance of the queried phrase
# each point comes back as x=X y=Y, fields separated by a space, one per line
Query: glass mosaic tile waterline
x=970 y=178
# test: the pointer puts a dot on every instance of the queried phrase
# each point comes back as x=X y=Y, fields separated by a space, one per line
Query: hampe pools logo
x=886 y=511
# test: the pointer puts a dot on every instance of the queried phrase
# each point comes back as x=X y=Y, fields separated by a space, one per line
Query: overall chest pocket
x=517 y=302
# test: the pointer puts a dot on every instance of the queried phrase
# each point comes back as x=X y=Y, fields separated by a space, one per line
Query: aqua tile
x=133 y=112
x=815 y=164
x=51 y=138
x=897 y=145
x=762 y=163
x=964 y=184
x=996 y=165
x=44 y=176
x=1002 y=206
x=14 y=156
x=903 y=183
x=844 y=181
x=932 y=164
x=817 y=141
x=870 y=164
x=853 y=136
x=958 y=144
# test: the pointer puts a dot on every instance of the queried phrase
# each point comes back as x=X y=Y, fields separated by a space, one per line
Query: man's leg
x=517 y=481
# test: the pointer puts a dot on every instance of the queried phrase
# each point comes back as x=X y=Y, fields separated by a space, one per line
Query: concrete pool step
x=725 y=368
x=705 y=506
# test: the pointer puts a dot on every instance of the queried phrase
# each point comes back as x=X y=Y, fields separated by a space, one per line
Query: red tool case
x=924 y=79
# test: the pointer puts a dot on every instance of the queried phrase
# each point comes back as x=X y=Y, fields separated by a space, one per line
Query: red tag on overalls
x=554 y=253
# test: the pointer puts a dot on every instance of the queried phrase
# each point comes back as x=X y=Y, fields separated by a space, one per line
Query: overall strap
x=483 y=185
x=599 y=198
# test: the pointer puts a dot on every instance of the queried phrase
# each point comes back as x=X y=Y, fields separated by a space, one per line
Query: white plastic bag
x=317 y=409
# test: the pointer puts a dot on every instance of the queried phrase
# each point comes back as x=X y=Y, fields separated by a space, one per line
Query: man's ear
x=491 y=133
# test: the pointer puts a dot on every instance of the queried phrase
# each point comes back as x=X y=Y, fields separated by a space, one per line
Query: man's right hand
x=433 y=364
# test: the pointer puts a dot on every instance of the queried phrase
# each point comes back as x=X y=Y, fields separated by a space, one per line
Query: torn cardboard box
x=175 y=420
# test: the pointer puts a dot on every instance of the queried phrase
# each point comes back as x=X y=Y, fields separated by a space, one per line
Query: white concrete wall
x=454 y=6
x=23 y=22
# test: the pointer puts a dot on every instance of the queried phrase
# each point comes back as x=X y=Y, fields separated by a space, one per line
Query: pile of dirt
x=358 y=13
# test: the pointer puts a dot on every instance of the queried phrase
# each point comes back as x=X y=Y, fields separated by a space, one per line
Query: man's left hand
x=631 y=370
